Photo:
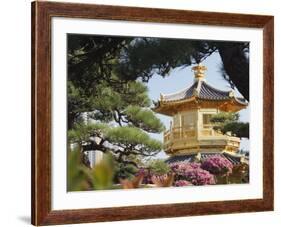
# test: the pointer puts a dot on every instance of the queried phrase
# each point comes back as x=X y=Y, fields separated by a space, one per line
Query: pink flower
x=193 y=173
x=217 y=165
x=182 y=183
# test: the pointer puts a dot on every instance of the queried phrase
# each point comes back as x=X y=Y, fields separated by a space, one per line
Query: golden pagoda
x=191 y=134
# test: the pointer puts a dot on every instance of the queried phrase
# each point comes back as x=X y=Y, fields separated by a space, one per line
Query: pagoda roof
x=199 y=94
x=201 y=90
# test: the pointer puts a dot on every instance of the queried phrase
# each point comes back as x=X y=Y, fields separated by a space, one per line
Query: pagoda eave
x=170 y=108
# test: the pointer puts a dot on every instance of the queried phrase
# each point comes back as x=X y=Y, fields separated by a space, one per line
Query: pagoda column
x=197 y=124
x=198 y=128
x=180 y=124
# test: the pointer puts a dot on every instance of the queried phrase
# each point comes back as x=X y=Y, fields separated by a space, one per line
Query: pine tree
x=119 y=123
x=229 y=122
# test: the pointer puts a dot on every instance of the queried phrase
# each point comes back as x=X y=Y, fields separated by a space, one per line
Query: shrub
x=200 y=177
x=182 y=167
x=132 y=183
x=165 y=180
x=193 y=173
x=217 y=165
x=159 y=167
x=124 y=171
x=146 y=175
x=103 y=173
x=78 y=175
x=240 y=174
x=182 y=183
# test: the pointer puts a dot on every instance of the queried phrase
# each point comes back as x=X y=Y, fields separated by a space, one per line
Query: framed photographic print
x=144 y=113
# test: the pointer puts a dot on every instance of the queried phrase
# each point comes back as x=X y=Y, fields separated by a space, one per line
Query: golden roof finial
x=199 y=71
x=161 y=97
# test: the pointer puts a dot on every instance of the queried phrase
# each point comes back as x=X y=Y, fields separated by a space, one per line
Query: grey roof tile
x=184 y=94
x=204 y=155
x=211 y=93
x=204 y=91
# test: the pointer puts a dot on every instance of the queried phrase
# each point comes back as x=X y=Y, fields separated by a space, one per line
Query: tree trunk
x=236 y=66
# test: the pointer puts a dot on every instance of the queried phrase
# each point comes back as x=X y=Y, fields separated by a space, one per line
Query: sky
x=181 y=78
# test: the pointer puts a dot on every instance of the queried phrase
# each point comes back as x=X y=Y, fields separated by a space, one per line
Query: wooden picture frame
x=42 y=13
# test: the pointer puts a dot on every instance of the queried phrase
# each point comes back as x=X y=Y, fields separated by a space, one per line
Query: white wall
x=15 y=112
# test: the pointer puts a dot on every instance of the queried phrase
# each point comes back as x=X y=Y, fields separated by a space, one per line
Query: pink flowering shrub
x=217 y=165
x=200 y=177
x=182 y=183
x=182 y=167
x=193 y=173
x=147 y=175
x=165 y=180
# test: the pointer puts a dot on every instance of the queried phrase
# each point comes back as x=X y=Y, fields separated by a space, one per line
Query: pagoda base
x=235 y=159
x=206 y=144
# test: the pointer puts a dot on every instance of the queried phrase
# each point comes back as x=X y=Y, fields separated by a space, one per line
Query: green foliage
x=77 y=174
x=146 y=56
x=110 y=103
x=144 y=118
x=240 y=129
x=159 y=167
x=124 y=171
x=103 y=173
x=77 y=103
x=115 y=61
x=91 y=62
x=133 y=136
x=126 y=135
x=166 y=54
x=80 y=178
x=82 y=132
x=136 y=93
x=91 y=59
x=127 y=143
x=224 y=117
x=229 y=122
